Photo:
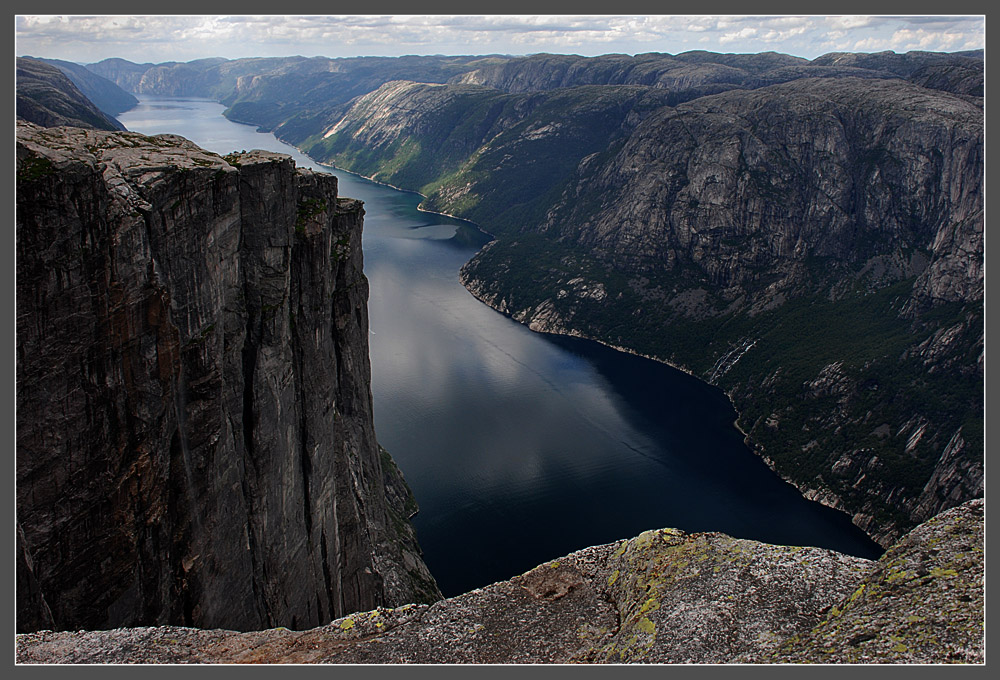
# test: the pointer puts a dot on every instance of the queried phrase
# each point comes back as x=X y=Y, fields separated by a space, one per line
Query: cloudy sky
x=182 y=38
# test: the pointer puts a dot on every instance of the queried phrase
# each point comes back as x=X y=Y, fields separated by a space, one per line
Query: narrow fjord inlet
x=521 y=447
x=418 y=339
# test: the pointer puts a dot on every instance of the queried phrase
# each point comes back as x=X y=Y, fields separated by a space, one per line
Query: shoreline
x=380 y=183
x=824 y=498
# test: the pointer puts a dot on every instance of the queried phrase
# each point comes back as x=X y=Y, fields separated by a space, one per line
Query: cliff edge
x=195 y=443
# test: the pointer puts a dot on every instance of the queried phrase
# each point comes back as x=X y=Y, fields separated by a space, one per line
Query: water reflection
x=522 y=447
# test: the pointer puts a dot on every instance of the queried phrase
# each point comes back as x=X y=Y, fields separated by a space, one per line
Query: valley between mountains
x=807 y=235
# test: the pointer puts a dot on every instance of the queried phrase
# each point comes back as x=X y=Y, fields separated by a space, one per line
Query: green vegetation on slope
x=876 y=395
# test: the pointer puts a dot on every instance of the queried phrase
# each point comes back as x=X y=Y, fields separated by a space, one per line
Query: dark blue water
x=522 y=447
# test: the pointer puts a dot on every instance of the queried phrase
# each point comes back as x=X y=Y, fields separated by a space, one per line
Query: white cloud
x=742 y=34
x=163 y=38
x=850 y=22
x=906 y=39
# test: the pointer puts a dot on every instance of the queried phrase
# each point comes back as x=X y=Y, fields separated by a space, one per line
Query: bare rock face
x=922 y=603
x=662 y=597
x=194 y=433
x=844 y=168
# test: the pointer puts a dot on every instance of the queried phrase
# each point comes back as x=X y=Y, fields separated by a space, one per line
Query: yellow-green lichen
x=650 y=605
x=857 y=593
x=646 y=626
x=347 y=624
x=937 y=572
x=894 y=575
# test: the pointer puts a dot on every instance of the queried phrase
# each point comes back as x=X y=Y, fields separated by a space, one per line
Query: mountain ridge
x=45 y=96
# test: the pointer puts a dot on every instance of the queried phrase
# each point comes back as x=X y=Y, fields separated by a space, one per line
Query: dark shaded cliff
x=194 y=422
x=661 y=597
x=46 y=96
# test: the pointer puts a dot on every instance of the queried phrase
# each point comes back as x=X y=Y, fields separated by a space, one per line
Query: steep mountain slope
x=805 y=246
x=662 y=597
x=45 y=96
x=194 y=78
x=105 y=95
x=195 y=441
x=491 y=156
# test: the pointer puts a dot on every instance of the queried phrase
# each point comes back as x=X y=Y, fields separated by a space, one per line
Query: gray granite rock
x=662 y=597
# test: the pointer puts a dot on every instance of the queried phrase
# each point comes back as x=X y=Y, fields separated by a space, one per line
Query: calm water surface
x=522 y=447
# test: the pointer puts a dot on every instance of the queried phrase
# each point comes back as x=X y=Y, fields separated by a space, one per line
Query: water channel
x=522 y=447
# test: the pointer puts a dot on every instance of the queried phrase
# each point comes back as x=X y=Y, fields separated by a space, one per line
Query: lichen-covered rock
x=662 y=597
x=922 y=603
x=706 y=598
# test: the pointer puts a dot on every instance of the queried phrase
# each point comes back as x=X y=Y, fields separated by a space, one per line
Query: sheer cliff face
x=194 y=429
x=744 y=183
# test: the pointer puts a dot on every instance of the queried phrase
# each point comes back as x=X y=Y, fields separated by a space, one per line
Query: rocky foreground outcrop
x=662 y=597
x=195 y=442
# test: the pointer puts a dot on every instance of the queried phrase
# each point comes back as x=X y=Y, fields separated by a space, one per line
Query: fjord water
x=522 y=447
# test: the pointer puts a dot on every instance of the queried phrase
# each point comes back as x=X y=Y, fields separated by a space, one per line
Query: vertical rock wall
x=194 y=427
